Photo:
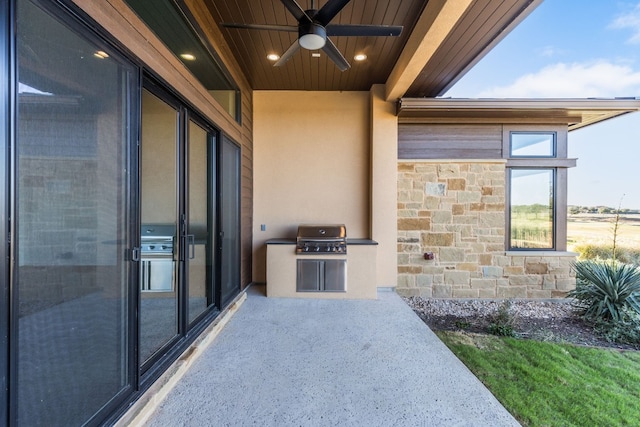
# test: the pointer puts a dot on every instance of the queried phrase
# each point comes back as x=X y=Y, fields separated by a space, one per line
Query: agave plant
x=606 y=290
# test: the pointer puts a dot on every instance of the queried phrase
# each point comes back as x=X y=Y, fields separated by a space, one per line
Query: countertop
x=292 y=241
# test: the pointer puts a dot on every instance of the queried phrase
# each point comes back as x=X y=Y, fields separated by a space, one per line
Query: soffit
x=302 y=71
x=479 y=29
x=576 y=113
x=469 y=37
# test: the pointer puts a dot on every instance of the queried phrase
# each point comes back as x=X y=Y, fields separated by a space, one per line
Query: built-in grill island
x=321 y=275
x=314 y=264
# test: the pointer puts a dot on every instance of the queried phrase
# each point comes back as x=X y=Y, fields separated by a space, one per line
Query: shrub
x=595 y=252
x=502 y=322
x=626 y=331
x=462 y=324
x=604 y=290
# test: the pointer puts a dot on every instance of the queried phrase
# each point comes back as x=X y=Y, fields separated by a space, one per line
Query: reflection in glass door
x=159 y=210
x=200 y=227
x=71 y=347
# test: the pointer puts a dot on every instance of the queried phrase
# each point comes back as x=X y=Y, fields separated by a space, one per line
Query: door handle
x=191 y=241
x=135 y=254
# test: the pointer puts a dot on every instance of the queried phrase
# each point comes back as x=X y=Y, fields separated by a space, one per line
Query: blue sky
x=576 y=49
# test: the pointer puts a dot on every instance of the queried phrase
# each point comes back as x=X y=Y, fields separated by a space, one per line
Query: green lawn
x=545 y=384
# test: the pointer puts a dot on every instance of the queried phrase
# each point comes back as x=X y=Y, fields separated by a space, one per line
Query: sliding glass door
x=178 y=274
x=201 y=228
x=5 y=36
x=159 y=253
x=229 y=220
x=71 y=341
x=121 y=212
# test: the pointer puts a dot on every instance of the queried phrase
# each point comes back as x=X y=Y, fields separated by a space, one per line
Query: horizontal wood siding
x=449 y=141
x=247 y=187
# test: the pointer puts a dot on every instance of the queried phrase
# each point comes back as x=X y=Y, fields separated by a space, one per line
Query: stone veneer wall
x=456 y=210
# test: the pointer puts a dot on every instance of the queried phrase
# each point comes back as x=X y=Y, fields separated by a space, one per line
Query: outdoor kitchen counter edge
x=292 y=241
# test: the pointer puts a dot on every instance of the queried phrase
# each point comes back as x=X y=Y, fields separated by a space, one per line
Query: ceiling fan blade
x=296 y=10
x=334 y=54
x=288 y=28
x=330 y=10
x=364 y=30
x=288 y=54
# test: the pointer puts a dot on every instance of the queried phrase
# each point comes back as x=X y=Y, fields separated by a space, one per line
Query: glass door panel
x=229 y=221
x=70 y=342
x=200 y=224
x=159 y=254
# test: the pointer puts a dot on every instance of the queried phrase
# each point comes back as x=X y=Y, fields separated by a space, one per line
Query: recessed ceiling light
x=188 y=57
x=360 y=57
x=101 y=54
x=273 y=57
x=315 y=54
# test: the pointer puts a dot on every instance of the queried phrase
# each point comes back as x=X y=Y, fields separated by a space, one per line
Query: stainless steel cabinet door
x=335 y=275
x=317 y=275
x=308 y=273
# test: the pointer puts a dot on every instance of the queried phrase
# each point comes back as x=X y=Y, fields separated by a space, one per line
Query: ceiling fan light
x=312 y=42
x=312 y=36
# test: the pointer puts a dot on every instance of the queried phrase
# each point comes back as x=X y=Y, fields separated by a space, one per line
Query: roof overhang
x=441 y=40
x=576 y=113
x=448 y=39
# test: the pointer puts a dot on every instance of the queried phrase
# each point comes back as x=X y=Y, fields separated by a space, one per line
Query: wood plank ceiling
x=484 y=23
x=302 y=71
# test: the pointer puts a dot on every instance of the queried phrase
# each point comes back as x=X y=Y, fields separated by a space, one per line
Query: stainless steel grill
x=157 y=242
x=321 y=239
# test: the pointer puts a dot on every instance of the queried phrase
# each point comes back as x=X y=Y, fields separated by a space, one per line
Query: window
x=527 y=144
x=536 y=188
x=532 y=208
x=172 y=26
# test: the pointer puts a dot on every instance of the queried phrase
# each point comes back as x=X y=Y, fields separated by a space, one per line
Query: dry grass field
x=597 y=229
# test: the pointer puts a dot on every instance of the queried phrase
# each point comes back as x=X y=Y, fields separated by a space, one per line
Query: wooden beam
x=436 y=22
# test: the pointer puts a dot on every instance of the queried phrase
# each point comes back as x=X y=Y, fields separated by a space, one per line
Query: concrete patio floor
x=309 y=362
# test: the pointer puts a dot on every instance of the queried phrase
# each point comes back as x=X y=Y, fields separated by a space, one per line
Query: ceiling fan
x=314 y=28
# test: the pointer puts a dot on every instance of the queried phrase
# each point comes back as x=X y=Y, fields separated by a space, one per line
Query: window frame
x=559 y=164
